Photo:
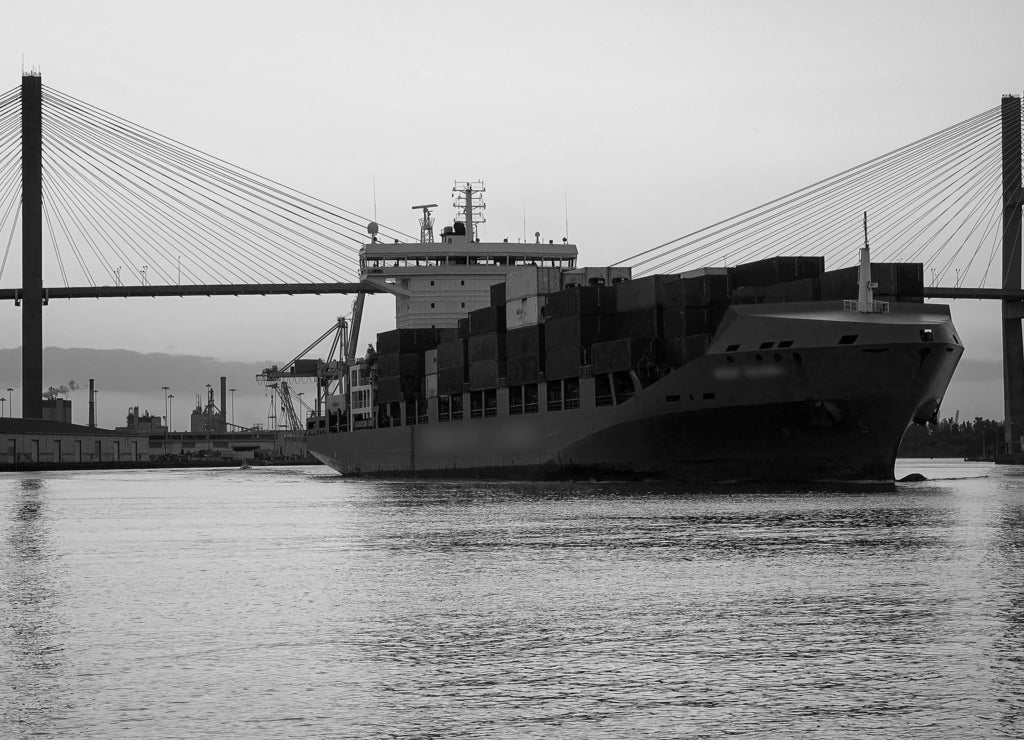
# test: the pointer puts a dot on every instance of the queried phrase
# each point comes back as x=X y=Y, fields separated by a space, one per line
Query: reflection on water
x=30 y=648
x=291 y=602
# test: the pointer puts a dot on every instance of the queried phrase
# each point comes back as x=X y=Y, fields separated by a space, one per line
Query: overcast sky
x=649 y=119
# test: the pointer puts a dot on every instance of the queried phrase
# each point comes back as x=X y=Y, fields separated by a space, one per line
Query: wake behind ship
x=511 y=362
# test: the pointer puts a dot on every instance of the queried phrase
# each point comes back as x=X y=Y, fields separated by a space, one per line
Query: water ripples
x=292 y=603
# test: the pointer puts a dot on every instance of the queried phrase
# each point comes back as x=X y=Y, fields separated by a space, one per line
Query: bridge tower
x=1013 y=342
x=32 y=246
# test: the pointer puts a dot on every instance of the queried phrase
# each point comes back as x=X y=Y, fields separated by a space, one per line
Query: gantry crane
x=328 y=374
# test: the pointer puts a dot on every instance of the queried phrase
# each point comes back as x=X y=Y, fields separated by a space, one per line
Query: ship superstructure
x=510 y=361
x=436 y=283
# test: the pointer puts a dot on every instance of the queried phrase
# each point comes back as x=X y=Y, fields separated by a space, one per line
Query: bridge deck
x=161 y=291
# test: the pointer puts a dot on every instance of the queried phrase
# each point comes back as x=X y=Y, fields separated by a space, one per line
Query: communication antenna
x=566 y=216
x=426 y=223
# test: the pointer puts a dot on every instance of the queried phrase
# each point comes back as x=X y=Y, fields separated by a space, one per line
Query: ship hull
x=814 y=412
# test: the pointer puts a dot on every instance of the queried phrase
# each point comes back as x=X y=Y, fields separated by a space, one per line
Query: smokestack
x=92 y=403
x=223 y=403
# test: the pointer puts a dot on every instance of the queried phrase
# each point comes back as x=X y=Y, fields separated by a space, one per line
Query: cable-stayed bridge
x=119 y=210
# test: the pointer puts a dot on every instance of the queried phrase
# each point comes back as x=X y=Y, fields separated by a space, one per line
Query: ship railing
x=572 y=403
x=876 y=306
x=555 y=405
x=531 y=408
x=476 y=414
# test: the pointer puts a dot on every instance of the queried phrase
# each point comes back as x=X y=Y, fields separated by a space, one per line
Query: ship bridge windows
x=732 y=348
x=848 y=338
x=381 y=262
x=785 y=343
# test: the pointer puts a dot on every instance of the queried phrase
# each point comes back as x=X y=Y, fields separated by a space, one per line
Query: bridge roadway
x=237 y=289
x=163 y=291
x=1013 y=296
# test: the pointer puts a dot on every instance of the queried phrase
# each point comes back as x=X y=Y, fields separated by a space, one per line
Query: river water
x=289 y=602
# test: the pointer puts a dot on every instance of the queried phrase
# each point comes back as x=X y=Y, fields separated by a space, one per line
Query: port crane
x=326 y=374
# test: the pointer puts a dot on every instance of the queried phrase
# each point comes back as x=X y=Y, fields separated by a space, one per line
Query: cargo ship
x=509 y=361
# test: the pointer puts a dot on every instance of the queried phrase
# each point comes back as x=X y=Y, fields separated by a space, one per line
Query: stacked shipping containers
x=526 y=293
x=401 y=372
x=897 y=281
x=486 y=347
x=577 y=318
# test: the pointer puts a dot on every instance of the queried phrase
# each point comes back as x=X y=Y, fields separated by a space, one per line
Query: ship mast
x=469 y=198
x=865 y=293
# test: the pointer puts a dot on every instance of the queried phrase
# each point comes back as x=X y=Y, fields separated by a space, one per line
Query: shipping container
x=839 y=284
x=641 y=292
x=398 y=340
x=484 y=375
x=640 y=322
x=486 y=320
x=703 y=290
x=451 y=354
x=808 y=289
x=525 y=341
x=623 y=354
x=618 y=274
x=686 y=321
x=393 y=364
x=578 y=331
x=498 y=294
x=526 y=311
x=447 y=335
x=776 y=270
x=574 y=278
x=524 y=369
x=584 y=301
x=486 y=347
x=563 y=363
x=430 y=361
x=902 y=280
x=399 y=388
x=532 y=281
x=451 y=380
x=910 y=281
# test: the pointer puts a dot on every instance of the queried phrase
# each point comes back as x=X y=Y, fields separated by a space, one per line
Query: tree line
x=980 y=438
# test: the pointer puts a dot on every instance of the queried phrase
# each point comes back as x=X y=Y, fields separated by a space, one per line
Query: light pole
x=10 y=401
x=232 y=390
x=170 y=412
x=2 y=402
x=302 y=411
x=165 y=388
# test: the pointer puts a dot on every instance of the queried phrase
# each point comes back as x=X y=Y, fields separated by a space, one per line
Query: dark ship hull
x=785 y=392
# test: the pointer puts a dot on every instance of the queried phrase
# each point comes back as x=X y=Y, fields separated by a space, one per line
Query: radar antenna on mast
x=426 y=223
x=469 y=198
